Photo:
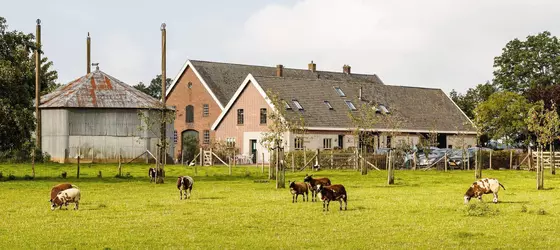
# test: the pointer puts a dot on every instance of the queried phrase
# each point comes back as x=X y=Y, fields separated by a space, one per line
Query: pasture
x=423 y=210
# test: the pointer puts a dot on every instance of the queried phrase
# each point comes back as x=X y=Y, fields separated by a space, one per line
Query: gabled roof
x=98 y=90
x=223 y=79
x=418 y=109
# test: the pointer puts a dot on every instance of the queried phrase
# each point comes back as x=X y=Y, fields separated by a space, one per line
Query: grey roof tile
x=417 y=108
x=225 y=78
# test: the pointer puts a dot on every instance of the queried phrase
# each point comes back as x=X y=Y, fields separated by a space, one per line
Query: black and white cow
x=483 y=186
x=185 y=184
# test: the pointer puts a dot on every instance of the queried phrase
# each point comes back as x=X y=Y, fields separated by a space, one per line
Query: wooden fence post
x=530 y=151
x=182 y=157
x=390 y=176
x=229 y=165
x=414 y=161
x=552 y=160
x=201 y=158
x=78 y=174
x=293 y=161
x=445 y=159
x=510 y=159
x=304 y=156
x=490 y=160
x=262 y=164
x=332 y=158
x=120 y=169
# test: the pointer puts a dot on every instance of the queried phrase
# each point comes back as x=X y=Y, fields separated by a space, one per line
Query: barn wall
x=54 y=133
x=98 y=134
x=456 y=141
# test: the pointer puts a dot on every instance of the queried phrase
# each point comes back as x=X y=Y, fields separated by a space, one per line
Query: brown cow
x=483 y=186
x=71 y=195
x=299 y=188
x=314 y=182
x=333 y=193
x=56 y=189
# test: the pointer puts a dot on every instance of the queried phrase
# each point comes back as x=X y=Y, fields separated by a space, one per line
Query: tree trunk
x=272 y=165
x=552 y=160
x=390 y=176
x=78 y=173
x=510 y=159
x=540 y=168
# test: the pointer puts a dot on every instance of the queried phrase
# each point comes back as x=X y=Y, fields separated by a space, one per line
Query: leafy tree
x=17 y=89
x=502 y=116
x=473 y=97
x=528 y=64
x=154 y=89
x=545 y=123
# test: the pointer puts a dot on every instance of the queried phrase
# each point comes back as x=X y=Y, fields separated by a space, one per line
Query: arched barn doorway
x=190 y=145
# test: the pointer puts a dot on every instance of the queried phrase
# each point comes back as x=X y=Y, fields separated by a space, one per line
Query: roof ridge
x=313 y=79
x=285 y=68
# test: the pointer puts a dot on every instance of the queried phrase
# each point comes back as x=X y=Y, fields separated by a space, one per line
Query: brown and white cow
x=483 y=186
x=314 y=182
x=185 y=184
x=64 y=197
x=56 y=189
x=297 y=188
x=335 y=192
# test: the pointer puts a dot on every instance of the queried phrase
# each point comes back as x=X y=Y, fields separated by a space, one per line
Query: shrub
x=480 y=209
x=64 y=174
x=28 y=177
x=11 y=177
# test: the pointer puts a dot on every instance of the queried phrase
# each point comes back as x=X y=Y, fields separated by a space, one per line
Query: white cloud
x=438 y=43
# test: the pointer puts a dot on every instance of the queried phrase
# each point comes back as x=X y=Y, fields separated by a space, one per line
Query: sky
x=432 y=43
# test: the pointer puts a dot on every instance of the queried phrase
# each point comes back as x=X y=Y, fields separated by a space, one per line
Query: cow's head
x=292 y=184
x=469 y=194
x=321 y=192
x=55 y=202
x=308 y=178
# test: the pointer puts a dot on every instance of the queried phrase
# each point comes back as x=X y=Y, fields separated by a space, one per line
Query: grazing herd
x=65 y=193
x=321 y=186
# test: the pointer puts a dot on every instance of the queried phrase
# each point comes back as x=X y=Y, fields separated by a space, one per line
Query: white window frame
x=351 y=105
x=298 y=143
x=298 y=105
x=339 y=91
x=327 y=143
x=329 y=105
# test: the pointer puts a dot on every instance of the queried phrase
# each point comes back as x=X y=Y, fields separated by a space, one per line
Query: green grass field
x=423 y=210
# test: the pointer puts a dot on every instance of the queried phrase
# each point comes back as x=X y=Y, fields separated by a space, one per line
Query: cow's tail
x=502 y=186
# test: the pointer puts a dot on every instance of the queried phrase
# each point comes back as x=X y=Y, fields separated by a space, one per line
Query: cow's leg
x=495 y=200
x=345 y=202
x=328 y=202
x=340 y=201
x=324 y=205
x=76 y=207
x=190 y=190
x=180 y=194
x=306 y=195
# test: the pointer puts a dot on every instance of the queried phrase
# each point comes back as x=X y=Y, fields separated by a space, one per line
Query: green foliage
x=279 y=123
x=544 y=123
x=480 y=209
x=17 y=88
x=154 y=89
x=502 y=116
x=190 y=146
x=528 y=64
x=473 y=97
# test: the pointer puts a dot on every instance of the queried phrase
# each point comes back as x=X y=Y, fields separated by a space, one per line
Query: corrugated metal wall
x=98 y=134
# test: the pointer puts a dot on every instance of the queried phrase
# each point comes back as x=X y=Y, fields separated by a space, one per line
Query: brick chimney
x=279 y=70
x=312 y=66
x=346 y=69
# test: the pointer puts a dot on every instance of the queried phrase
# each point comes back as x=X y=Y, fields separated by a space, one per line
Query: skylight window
x=384 y=109
x=351 y=105
x=339 y=91
x=287 y=105
x=298 y=105
x=329 y=105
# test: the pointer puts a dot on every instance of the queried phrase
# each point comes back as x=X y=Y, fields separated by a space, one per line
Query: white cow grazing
x=483 y=186
x=64 y=197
